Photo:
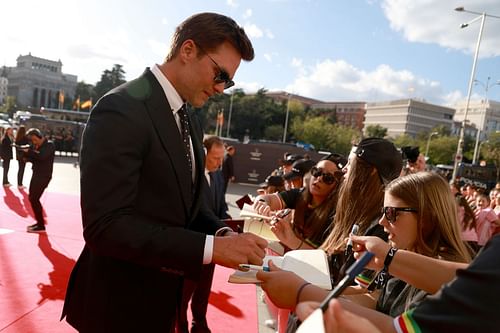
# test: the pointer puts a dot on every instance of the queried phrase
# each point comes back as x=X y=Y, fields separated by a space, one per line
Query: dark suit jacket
x=42 y=160
x=216 y=195
x=139 y=210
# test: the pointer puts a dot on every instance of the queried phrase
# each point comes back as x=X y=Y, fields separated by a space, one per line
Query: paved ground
x=66 y=179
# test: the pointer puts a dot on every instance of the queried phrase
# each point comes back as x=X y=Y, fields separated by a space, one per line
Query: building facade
x=407 y=116
x=349 y=114
x=3 y=89
x=482 y=114
x=37 y=82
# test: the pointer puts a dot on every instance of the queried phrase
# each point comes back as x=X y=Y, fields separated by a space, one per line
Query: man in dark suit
x=198 y=291
x=228 y=166
x=145 y=223
x=41 y=155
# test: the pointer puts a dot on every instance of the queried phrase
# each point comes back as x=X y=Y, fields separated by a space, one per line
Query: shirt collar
x=174 y=99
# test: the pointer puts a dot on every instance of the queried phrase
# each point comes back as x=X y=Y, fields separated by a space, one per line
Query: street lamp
x=286 y=117
x=428 y=144
x=230 y=113
x=459 y=153
x=480 y=126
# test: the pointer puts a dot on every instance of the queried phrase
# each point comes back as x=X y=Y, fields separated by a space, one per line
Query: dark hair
x=34 y=131
x=21 y=133
x=209 y=30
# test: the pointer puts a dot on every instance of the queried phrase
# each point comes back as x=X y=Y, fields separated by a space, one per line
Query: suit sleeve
x=131 y=208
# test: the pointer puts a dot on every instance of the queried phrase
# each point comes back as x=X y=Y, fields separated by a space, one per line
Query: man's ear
x=188 y=50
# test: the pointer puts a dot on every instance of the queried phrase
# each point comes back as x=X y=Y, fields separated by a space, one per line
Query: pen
x=280 y=214
x=351 y=273
x=254 y=267
x=354 y=231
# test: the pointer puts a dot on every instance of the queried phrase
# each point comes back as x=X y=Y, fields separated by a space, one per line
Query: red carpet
x=34 y=270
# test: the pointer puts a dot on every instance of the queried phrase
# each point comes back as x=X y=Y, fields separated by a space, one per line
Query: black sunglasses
x=327 y=177
x=222 y=76
x=391 y=213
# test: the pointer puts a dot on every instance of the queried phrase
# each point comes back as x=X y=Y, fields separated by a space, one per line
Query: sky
x=331 y=50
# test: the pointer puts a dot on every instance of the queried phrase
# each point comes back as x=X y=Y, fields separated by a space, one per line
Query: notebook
x=311 y=265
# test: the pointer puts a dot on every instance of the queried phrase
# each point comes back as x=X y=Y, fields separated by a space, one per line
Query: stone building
x=483 y=114
x=408 y=116
x=37 y=82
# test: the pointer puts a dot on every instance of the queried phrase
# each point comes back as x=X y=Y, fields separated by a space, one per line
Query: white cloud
x=337 y=80
x=248 y=87
x=268 y=57
x=269 y=34
x=247 y=14
x=253 y=31
x=429 y=21
x=232 y=3
x=296 y=62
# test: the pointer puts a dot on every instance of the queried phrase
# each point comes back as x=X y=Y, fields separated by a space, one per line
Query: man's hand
x=232 y=250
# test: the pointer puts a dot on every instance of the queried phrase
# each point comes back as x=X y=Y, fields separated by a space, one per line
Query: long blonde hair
x=438 y=234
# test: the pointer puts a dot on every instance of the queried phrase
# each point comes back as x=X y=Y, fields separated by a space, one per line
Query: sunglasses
x=222 y=76
x=327 y=177
x=391 y=213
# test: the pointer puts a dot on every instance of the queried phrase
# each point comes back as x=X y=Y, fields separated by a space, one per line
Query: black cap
x=410 y=153
x=299 y=169
x=339 y=160
x=383 y=155
x=292 y=158
x=272 y=181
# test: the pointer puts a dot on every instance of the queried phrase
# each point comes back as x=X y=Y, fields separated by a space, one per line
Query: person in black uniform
x=41 y=155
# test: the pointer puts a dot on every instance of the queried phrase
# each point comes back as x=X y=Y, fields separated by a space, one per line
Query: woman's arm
x=413 y=268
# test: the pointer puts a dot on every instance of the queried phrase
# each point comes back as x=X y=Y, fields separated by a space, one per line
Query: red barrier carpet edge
x=34 y=270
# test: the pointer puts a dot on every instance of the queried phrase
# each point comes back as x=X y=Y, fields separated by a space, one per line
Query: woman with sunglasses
x=314 y=206
x=372 y=163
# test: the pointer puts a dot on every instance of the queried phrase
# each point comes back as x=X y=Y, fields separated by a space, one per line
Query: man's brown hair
x=209 y=30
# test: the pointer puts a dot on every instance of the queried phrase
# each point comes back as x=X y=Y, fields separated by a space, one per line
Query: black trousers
x=198 y=292
x=20 y=172
x=37 y=186
x=5 y=165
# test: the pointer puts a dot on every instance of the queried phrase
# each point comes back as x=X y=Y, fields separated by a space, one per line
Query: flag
x=86 y=104
x=220 y=118
x=76 y=104
x=61 y=98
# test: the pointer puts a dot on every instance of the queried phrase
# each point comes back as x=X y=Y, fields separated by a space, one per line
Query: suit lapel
x=166 y=128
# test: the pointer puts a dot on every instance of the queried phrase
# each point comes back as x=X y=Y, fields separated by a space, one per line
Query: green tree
x=491 y=151
x=376 y=131
x=9 y=106
x=109 y=80
x=314 y=130
x=342 y=138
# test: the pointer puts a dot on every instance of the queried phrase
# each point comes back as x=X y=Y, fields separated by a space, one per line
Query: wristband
x=299 y=292
x=300 y=245
x=389 y=257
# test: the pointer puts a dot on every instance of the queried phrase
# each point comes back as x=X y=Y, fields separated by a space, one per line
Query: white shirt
x=176 y=102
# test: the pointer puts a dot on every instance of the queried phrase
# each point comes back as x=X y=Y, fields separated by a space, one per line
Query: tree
x=491 y=151
x=109 y=80
x=9 y=106
x=314 y=130
x=376 y=131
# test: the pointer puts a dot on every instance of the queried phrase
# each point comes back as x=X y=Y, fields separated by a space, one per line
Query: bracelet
x=300 y=245
x=389 y=257
x=299 y=292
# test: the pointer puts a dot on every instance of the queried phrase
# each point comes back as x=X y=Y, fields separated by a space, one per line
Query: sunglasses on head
x=391 y=213
x=327 y=177
x=222 y=76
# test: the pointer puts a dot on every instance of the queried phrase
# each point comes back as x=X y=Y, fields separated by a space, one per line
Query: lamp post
x=286 y=117
x=459 y=153
x=230 y=113
x=480 y=126
x=428 y=144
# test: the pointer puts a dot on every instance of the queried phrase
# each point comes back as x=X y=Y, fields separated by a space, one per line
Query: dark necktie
x=185 y=134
